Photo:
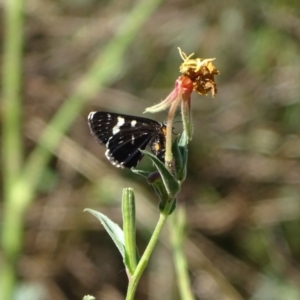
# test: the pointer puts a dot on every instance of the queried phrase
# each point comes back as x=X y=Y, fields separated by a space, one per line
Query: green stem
x=12 y=146
x=177 y=227
x=134 y=280
x=11 y=101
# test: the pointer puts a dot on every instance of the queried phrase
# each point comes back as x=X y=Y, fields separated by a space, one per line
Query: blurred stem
x=12 y=146
x=134 y=280
x=11 y=86
x=206 y=265
x=177 y=236
x=20 y=187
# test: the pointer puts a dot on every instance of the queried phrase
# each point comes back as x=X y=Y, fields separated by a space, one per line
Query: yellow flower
x=201 y=72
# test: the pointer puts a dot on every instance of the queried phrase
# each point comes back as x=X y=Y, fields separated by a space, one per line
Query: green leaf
x=183 y=139
x=187 y=120
x=182 y=147
x=158 y=185
x=177 y=156
x=176 y=150
x=171 y=185
x=112 y=229
x=142 y=173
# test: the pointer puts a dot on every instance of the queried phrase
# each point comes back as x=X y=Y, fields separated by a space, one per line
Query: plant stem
x=11 y=101
x=12 y=146
x=177 y=227
x=134 y=280
x=171 y=114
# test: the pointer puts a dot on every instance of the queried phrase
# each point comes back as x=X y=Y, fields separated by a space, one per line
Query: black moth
x=124 y=135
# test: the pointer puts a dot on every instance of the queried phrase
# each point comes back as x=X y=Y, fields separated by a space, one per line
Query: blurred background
x=242 y=192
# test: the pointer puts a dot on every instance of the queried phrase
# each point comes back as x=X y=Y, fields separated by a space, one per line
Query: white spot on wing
x=107 y=143
x=116 y=128
x=133 y=123
x=91 y=115
x=113 y=161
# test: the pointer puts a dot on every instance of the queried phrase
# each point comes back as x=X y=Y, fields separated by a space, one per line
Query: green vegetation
x=62 y=59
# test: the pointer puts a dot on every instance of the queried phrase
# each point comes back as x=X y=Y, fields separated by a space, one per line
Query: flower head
x=201 y=72
x=197 y=75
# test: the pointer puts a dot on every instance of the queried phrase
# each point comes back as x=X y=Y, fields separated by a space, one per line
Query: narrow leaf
x=182 y=147
x=171 y=185
x=112 y=229
x=142 y=173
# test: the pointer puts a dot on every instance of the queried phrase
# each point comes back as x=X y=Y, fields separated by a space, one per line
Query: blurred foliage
x=242 y=190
